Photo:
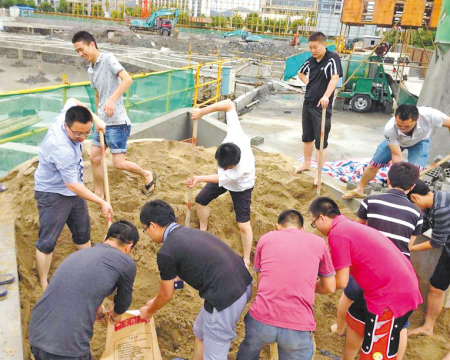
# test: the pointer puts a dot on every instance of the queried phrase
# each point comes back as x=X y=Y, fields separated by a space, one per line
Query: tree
x=115 y=14
x=135 y=12
x=7 y=3
x=97 y=11
x=45 y=7
x=63 y=7
x=237 y=21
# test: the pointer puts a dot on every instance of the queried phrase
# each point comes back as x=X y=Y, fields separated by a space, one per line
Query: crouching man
x=208 y=265
x=62 y=322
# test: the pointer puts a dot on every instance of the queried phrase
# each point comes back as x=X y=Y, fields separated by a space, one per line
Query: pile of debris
x=39 y=78
x=439 y=177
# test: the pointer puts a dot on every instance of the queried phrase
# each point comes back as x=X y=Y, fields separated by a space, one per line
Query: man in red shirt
x=287 y=262
x=390 y=285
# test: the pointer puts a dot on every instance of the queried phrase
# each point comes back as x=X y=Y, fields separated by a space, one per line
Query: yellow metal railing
x=128 y=105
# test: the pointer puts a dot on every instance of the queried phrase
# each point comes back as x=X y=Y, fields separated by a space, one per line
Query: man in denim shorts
x=110 y=81
x=410 y=129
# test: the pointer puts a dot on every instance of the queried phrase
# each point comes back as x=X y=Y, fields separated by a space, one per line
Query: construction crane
x=156 y=23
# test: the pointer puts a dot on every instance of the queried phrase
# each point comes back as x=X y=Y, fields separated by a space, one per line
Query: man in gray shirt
x=62 y=321
x=110 y=81
x=59 y=189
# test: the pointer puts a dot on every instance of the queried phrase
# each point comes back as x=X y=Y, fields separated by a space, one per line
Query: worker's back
x=62 y=320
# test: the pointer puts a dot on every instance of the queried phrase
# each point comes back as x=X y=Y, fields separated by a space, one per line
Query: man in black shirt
x=62 y=321
x=320 y=73
x=208 y=265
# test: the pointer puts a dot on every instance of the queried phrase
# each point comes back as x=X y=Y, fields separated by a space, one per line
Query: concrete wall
x=424 y=263
x=177 y=125
x=436 y=93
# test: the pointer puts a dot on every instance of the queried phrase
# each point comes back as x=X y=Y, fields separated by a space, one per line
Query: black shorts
x=311 y=123
x=55 y=210
x=441 y=276
x=40 y=354
x=241 y=200
x=361 y=320
x=353 y=291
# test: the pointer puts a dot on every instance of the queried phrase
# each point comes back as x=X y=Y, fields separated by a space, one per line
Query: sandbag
x=133 y=338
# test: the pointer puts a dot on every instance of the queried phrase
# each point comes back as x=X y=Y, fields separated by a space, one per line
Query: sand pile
x=276 y=189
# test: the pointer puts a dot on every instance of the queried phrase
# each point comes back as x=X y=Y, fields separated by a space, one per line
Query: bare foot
x=421 y=331
x=302 y=167
x=316 y=180
x=334 y=329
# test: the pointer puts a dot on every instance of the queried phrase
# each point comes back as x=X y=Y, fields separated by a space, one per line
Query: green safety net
x=295 y=62
x=149 y=97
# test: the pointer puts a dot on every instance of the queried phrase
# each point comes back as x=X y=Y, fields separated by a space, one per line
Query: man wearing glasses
x=410 y=129
x=59 y=189
x=387 y=277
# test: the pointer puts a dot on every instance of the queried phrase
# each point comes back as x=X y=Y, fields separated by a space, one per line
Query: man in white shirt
x=410 y=129
x=236 y=174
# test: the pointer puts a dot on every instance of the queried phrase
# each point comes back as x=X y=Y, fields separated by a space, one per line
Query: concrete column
x=39 y=60
x=20 y=54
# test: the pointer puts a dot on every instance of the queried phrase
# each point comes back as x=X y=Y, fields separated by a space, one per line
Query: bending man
x=59 y=189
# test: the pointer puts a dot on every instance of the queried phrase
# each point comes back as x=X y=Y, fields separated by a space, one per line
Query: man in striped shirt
x=395 y=217
x=437 y=211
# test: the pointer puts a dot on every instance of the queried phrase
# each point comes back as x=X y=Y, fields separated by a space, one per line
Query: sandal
x=352 y=194
x=146 y=188
x=6 y=279
x=3 y=188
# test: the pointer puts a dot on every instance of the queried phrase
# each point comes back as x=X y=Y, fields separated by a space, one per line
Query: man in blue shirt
x=59 y=189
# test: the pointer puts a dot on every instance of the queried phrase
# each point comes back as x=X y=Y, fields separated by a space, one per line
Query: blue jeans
x=417 y=154
x=292 y=344
x=115 y=138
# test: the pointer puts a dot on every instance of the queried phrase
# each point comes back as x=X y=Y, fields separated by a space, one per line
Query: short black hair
x=123 y=232
x=228 y=154
x=407 y=111
x=84 y=36
x=403 y=175
x=317 y=36
x=324 y=206
x=290 y=217
x=421 y=188
x=158 y=212
x=79 y=114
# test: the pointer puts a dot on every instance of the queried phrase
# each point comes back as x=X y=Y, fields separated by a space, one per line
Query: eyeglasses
x=313 y=224
x=80 y=135
x=145 y=229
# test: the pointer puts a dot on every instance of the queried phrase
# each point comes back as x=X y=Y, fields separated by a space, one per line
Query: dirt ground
x=276 y=189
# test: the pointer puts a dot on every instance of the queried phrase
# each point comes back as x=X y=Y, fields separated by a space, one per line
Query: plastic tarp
x=295 y=62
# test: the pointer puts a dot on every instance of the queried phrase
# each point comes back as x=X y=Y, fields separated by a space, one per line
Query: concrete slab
x=177 y=125
x=352 y=135
x=11 y=346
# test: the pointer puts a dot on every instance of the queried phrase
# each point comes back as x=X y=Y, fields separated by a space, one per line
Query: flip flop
x=3 y=188
x=352 y=194
x=146 y=188
x=6 y=279
x=3 y=292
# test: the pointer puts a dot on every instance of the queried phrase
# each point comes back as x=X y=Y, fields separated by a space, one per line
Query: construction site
x=183 y=55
